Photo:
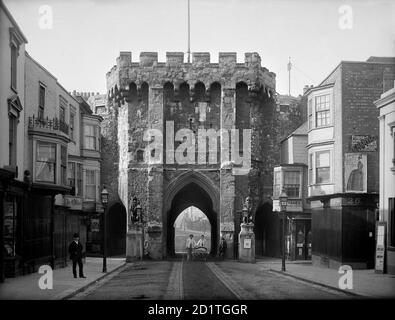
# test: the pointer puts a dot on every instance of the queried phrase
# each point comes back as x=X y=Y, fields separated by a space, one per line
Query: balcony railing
x=46 y=123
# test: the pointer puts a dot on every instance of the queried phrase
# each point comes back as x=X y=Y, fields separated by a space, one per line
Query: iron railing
x=46 y=123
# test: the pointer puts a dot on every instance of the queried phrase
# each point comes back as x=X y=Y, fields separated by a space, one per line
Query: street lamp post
x=104 y=200
x=283 y=206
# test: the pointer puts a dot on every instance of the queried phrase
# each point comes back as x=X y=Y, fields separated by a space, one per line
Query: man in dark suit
x=75 y=250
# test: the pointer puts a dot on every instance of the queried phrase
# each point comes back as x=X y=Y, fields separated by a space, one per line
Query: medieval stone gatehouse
x=190 y=97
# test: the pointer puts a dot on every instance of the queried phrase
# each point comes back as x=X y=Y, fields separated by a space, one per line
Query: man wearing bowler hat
x=75 y=250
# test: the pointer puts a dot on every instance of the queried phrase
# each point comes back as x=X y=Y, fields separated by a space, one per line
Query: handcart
x=200 y=253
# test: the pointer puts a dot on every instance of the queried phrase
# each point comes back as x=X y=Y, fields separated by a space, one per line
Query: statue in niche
x=247 y=210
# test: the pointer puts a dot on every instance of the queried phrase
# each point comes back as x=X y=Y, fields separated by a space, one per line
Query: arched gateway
x=169 y=139
x=190 y=189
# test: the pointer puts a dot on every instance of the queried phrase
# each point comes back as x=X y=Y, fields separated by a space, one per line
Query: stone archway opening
x=116 y=222
x=191 y=221
x=192 y=195
x=266 y=223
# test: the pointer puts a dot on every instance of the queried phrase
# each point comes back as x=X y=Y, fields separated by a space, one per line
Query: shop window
x=323 y=112
x=292 y=183
x=46 y=162
x=322 y=167
x=90 y=137
x=90 y=185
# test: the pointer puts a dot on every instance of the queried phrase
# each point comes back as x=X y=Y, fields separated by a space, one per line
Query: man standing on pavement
x=75 y=250
x=190 y=245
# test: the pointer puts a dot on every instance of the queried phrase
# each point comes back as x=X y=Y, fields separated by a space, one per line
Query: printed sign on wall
x=355 y=172
x=363 y=143
x=247 y=243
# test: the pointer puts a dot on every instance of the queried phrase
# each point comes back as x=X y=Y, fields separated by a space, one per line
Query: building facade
x=84 y=174
x=386 y=106
x=343 y=161
x=47 y=138
x=291 y=176
x=12 y=119
x=188 y=96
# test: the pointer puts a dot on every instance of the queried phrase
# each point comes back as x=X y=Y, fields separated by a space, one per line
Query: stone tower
x=190 y=97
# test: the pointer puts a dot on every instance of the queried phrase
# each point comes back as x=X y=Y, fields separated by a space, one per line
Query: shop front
x=12 y=194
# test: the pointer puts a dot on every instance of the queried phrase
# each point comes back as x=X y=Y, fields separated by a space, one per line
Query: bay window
x=90 y=137
x=90 y=185
x=322 y=111
x=277 y=184
x=74 y=178
x=310 y=168
x=71 y=177
x=63 y=165
x=46 y=162
x=322 y=172
x=292 y=183
x=310 y=114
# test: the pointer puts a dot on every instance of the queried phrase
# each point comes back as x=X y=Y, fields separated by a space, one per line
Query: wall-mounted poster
x=95 y=225
x=355 y=172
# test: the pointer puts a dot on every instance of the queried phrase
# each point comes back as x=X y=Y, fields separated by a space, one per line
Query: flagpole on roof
x=189 y=32
x=289 y=76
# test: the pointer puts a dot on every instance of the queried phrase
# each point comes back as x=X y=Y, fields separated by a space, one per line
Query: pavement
x=64 y=284
x=141 y=280
x=217 y=280
x=366 y=283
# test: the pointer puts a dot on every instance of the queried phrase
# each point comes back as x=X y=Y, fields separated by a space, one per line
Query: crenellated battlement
x=149 y=59
x=227 y=71
x=84 y=94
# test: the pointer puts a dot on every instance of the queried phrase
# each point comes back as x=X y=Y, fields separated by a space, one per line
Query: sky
x=85 y=37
